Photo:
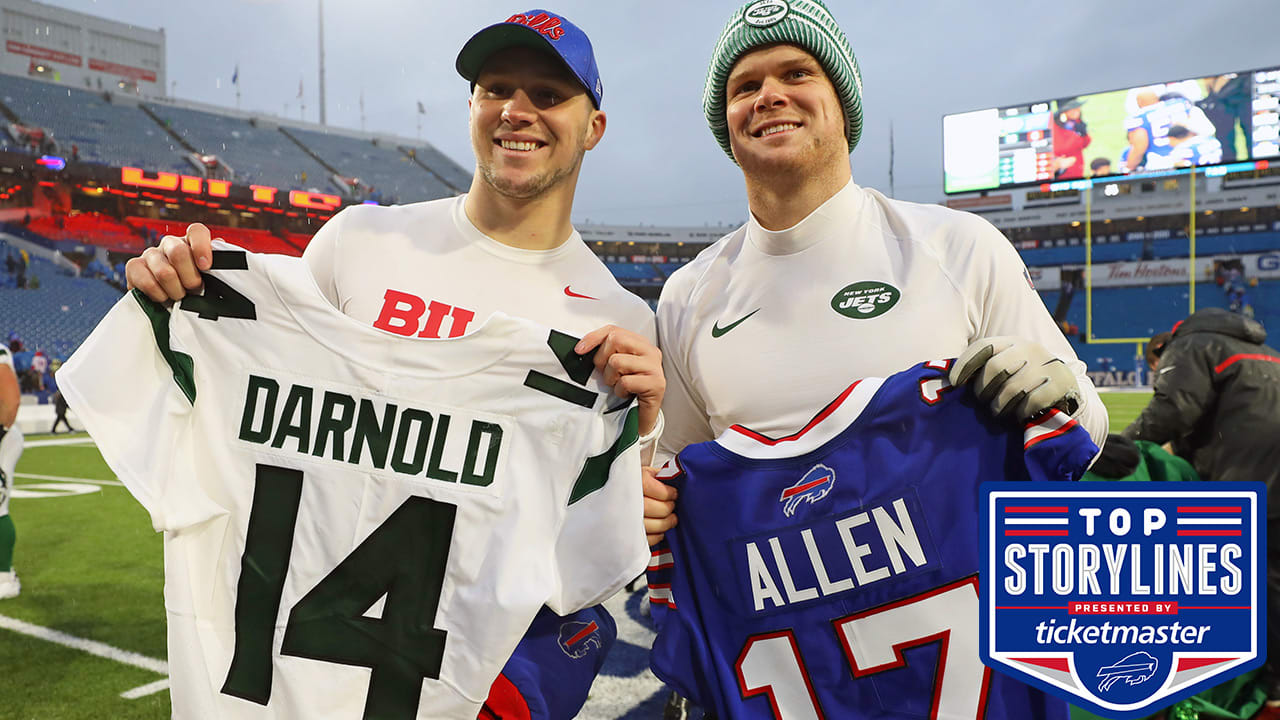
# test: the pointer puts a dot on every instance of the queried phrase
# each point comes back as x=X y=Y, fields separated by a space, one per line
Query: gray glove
x=1017 y=377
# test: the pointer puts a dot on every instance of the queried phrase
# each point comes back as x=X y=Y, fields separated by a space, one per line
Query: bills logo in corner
x=1124 y=599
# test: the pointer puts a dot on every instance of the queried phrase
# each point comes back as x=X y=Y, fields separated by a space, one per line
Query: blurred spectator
x=60 y=407
x=1217 y=396
x=14 y=341
x=1070 y=138
x=1229 y=100
x=10 y=450
x=1099 y=167
x=40 y=363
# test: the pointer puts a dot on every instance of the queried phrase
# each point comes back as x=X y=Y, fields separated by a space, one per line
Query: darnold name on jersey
x=371 y=432
x=799 y=564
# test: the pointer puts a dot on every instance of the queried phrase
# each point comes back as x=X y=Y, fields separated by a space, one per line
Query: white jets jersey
x=356 y=525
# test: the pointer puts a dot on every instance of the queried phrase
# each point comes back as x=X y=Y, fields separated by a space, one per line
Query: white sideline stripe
x=58 y=478
x=92 y=647
x=82 y=440
x=145 y=690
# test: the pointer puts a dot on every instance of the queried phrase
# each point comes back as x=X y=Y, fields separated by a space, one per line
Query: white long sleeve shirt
x=765 y=328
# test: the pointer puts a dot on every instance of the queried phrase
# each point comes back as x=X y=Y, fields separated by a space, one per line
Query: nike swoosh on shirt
x=717 y=331
x=571 y=293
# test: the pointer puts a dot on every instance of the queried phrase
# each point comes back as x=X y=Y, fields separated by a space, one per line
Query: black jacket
x=1217 y=397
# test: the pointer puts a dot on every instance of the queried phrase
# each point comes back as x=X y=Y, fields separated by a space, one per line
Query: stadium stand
x=391 y=175
x=257 y=155
x=59 y=315
x=1142 y=311
x=629 y=273
x=92 y=228
x=1171 y=247
x=247 y=238
x=101 y=132
x=450 y=171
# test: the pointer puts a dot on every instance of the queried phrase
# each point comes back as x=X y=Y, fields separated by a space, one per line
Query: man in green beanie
x=828 y=282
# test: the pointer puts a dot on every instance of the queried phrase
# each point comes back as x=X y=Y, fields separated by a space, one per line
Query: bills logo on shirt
x=578 y=638
x=812 y=487
x=1120 y=598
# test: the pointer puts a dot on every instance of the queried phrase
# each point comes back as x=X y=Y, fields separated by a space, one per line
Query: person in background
x=10 y=451
x=1217 y=399
x=1070 y=138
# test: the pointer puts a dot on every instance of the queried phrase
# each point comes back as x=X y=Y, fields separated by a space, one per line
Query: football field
x=86 y=638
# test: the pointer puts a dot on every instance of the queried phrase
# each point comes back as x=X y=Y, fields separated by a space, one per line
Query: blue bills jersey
x=833 y=573
x=551 y=672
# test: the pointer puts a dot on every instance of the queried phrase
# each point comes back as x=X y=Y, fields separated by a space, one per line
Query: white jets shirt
x=356 y=525
x=763 y=326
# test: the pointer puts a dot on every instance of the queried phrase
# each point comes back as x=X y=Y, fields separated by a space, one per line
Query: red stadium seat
x=248 y=238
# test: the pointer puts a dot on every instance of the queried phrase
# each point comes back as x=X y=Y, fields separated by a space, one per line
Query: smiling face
x=783 y=113
x=531 y=123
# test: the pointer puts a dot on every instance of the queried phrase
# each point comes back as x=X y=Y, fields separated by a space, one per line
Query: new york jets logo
x=765 y=12
x=865 y=299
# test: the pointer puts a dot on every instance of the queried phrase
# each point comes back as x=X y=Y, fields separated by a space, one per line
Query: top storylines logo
x=1123 y=597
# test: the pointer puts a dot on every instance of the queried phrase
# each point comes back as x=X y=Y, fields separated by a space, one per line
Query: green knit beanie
x=804 y=23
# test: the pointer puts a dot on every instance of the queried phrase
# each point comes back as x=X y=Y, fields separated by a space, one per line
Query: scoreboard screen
x=1146 y=130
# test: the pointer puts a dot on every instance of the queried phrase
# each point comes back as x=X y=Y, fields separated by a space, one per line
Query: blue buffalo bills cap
x=540 y=30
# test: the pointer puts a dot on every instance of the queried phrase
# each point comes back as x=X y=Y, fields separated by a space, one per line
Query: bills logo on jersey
x=1123 y=599
x=578 y=638
x=812 y=487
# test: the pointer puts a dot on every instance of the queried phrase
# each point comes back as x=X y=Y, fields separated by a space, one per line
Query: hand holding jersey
x=659 y=506
x=632 y=366
x=1016 y=377
x=171 y=270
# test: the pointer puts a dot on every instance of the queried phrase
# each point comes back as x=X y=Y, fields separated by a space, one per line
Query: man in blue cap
x=439 y=268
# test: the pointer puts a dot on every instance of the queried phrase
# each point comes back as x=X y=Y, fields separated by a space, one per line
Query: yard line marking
x=59 y=478
x=93 y=647
x=145 y=690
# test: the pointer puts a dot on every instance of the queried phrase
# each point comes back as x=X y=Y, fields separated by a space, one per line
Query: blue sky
x=658 y=163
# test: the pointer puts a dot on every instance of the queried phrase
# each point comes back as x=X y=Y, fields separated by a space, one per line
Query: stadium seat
x=248 y=238
x=394 y=177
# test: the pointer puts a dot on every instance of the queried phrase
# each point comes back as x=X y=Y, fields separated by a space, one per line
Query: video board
x=1144 y=130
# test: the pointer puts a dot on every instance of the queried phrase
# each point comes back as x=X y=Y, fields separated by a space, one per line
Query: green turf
x=91 y=566
x=1123 y=408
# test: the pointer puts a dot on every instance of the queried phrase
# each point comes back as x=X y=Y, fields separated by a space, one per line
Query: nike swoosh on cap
x=717 y=331
x=573 y=294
